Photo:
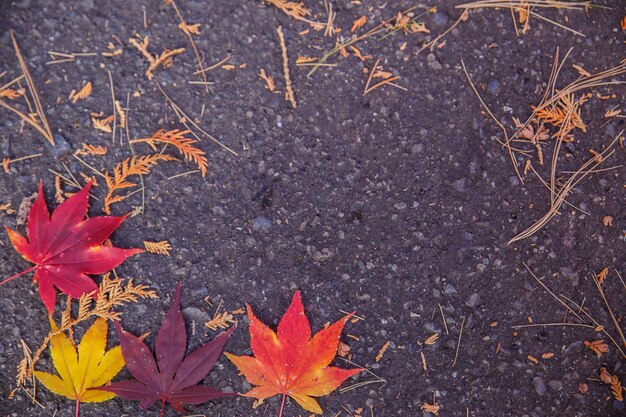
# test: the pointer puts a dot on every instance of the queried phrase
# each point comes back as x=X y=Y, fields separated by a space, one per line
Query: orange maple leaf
x=290 y=362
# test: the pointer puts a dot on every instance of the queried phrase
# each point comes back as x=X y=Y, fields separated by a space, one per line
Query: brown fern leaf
x=184 y=145
x=12 y=94
x=358 y=23
x=118 y=180
x=160 y=248
x=291 y=8
x=303 y=59
x=616 y=388
x=269 y=81
x=557 y=114
x=164 y=60
x=83 y=93
x=95 y=150
x=221 y=321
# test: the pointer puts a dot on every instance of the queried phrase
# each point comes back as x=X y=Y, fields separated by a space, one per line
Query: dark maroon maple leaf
x=172 y=377
x=65 y=247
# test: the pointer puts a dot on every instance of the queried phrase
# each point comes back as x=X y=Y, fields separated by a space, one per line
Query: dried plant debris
x=37 y=120
x=165 y=59
x=102 y=124
x=162 y=247
x=599 y=347
x=221 y=321
x=614 y=382
x=183 y=144
x=299 y=11
x=6 y=207
x=527 y=9
x=11 y=93
x=119 y=179
x=402 y=21
x=83 y=93
x=93 y=150
x=269 y=81
x=431 y=408
x=289 y=96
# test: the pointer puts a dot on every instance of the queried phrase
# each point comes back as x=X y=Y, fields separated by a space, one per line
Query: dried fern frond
x=6 y=207
x=358 y=23
x=121 y=113
x=269 y=81
x=289 y=96
x=95 y=150
x=190 y=29
x=431 y=408
x=184 y=145
x=11 y=93
x=118 y=180
x=165 y=60
x=305 y=60
x=81 y=94
x=297 y=10
x=616 y=388
x=103 y=125
x=58 y=190
x=162 y=247
x=89 y=179
x=142 y=46
x=221 y=321
x=557 y=114
x=112 y=292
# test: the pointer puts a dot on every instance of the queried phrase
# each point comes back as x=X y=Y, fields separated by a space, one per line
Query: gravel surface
x=397 y=205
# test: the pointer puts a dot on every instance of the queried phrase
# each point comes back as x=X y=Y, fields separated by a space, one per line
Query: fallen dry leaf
x=598 y=347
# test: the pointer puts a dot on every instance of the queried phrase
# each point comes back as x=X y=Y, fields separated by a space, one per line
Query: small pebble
x=540 y=386
x=261 y=224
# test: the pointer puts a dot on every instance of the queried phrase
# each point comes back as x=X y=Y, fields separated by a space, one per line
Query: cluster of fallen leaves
x=66 y=248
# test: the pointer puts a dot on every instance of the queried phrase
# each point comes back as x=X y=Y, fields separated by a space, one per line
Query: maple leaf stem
x=282 y=406
x=77 y=407
x=162 y=407
x=18 y=275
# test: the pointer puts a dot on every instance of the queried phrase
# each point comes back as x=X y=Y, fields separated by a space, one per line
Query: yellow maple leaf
x=89 y=367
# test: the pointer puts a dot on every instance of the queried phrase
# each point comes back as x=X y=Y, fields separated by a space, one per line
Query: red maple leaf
x=172 y=377
x=65 y=247
x=290 y=362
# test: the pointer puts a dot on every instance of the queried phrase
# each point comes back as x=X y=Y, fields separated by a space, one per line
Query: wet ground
x=397 y=205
